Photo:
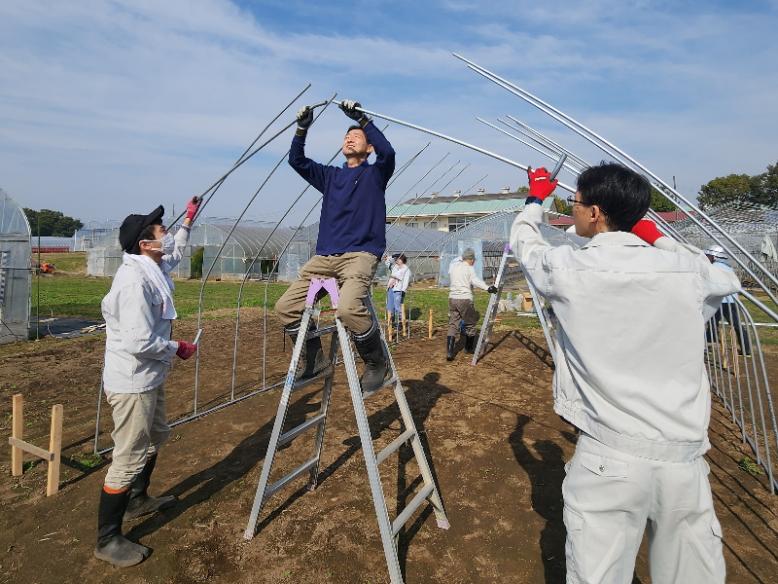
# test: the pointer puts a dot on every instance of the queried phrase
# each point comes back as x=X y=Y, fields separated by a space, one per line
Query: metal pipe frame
x=414 y=185
x=425 y=191
x=432 y=196
x=455 y=141
x=626 y=159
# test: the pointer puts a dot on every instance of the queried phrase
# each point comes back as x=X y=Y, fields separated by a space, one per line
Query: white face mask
x=167 y=244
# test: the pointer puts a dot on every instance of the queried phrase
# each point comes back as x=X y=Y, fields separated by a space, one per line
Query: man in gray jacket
x=138 y=312
x=631 y=306
x=461 y=308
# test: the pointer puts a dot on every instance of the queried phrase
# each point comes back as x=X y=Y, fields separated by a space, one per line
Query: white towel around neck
x=160 y=279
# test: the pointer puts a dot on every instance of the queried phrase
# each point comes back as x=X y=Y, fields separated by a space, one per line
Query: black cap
x=133 y=226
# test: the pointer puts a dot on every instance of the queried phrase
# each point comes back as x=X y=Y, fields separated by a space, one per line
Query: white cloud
x=107 y=107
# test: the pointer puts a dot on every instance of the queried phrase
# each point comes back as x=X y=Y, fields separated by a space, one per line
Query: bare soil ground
x=496 y=447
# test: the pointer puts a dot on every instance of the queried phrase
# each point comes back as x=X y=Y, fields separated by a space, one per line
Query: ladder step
x=287 y=437
x=403 y=517
x=395 y=445
x=282 y=482
x=325 y=330
x=387 y=383
x=323 y=374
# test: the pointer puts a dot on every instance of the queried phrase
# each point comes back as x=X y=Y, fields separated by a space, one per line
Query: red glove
x=646 y=230
x=186 y=350
x=191 y=208
x=540 y=183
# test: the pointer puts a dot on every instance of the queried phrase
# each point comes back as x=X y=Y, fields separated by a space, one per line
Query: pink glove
x=540 y=183
x=191 y=208
x=646 y=230
x=186 y=350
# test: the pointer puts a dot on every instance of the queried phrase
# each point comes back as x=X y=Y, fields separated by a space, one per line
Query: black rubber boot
x=470 y=343
x=112 y=546
x=450 y=348
x=313 y=352
x=371 y=350
x=141 y=503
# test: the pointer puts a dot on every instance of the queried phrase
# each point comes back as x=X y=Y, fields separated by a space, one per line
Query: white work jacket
x=462 y=278
x=629 y=336
x=138 y=349
x=400 y=276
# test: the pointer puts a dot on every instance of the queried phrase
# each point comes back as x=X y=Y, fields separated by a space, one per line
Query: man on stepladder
x=631 y=306
x=139 y=314
x=352 y=238
x=462 y=278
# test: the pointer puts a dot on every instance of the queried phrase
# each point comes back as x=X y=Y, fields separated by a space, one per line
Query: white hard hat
x=716 y=251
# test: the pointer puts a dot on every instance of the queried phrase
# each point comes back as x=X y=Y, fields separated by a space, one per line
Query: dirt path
x=498 y=452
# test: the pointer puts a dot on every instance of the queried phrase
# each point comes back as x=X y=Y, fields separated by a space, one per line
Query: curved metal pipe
x=220 y=182
x=610 y=148
x=455 y=141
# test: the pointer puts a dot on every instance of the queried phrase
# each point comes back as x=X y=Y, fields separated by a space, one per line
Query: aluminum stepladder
x=491 y=310
x=341 y=338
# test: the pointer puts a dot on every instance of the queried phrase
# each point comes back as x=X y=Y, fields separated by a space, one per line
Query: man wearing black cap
x=138 y=312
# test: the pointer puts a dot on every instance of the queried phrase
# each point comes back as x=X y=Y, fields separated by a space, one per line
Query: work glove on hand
x=348 y=107
x=492 y=289
x=191 y=208
x=646 y=230
x=186 y=350
x=540 y=183
x=304 y=119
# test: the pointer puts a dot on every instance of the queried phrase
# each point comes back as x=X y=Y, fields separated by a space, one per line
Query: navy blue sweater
x=353 y=210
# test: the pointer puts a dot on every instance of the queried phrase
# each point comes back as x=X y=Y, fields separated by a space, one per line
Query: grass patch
x=750 y=466
x=71 y=263
x=67 y=295
x=86 y=460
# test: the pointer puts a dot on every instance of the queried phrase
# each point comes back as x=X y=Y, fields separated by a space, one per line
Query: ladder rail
x=491 y=310
x=341 y=341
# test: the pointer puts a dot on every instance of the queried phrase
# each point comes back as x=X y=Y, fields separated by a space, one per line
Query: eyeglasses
x=571 y=199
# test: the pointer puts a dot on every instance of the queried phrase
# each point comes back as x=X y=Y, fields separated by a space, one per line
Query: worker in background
x=352 y=238
x=139 y=352
x=631 y=305
x=462 y=278
x=397 y=286
x=717 y=256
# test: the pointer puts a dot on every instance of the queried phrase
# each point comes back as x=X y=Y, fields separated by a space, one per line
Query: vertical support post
x=17 y=431
x=403 y=321
x=722 y=348
x=389 y=320
x=429 y=332
x=55 y=446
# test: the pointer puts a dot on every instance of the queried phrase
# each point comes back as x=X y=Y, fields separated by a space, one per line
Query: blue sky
x=108 y=108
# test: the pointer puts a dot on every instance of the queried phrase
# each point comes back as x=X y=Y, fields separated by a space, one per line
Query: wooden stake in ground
x=18 y=446
x=429 y=334
x=404 y=322
x=17 y=432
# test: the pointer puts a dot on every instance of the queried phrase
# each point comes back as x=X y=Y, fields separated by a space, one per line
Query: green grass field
x=70 y=293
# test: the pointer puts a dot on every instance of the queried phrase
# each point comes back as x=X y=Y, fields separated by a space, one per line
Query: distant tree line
x=760 y=189
x=53 y=223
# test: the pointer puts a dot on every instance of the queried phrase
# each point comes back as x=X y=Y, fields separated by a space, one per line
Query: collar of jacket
x=615 y=239
x=364 y=163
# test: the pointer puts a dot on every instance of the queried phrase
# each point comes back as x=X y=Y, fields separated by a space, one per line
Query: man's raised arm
x=313 y=172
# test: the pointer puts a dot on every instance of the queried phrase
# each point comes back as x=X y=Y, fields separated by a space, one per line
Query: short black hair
x=622 y=194
x=356 y=127
x=146 y=234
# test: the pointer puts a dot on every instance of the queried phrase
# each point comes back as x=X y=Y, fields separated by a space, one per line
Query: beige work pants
x=354 y=272
x=140 y=428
